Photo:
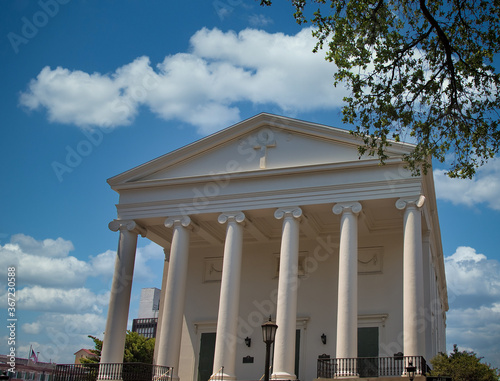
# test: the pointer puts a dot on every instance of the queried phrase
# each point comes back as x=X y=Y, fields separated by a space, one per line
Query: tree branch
x=448 y=51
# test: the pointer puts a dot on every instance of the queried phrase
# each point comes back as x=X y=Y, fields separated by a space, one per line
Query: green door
x=297 y=352
x=368 y=351
x=207 y=352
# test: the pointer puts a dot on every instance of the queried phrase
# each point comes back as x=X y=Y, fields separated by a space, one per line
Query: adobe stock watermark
x=62 y=340
x=248 y=149
x=31 y=26
x=74 y=155
x=395 y=178
x=323 y=250
x=224 y=8
x=123 y=107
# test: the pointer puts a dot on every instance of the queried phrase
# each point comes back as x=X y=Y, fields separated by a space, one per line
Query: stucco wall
x=379 y=304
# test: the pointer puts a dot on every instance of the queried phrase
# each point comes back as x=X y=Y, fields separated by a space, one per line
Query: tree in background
x=463 y=366
x=137 y=349
x=419 y=71
x=97 y=351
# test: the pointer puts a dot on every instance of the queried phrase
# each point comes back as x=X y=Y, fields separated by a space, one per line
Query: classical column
x=119 y=301
x=286 y=314
x=227 y=320
x=347 y=310
x=413 y=293
x=428 y=301
x=175 y=294
x=162 y=302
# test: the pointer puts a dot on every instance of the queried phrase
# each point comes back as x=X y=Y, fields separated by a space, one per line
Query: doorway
x=206 y=359
x=368 y=351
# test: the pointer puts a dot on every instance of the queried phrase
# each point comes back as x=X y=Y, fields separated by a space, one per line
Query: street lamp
x=410 y=369
x=268 y=334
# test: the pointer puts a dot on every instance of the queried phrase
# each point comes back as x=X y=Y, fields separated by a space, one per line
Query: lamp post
x=268 y=334
x=410 y=369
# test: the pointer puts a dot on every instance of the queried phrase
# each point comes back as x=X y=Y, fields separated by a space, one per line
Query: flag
x=33 y=356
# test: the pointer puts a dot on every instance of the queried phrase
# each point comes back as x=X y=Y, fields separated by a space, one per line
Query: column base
x=105 y=377
x=347 y=376
x=417 y=374
x=109 y=377
x=166 y=378
x=220 y=376
x=283 y=376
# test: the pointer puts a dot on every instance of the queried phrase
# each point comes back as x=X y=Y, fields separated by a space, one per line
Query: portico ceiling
x=261 y=225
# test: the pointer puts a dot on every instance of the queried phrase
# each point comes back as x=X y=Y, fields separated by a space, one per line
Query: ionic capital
x=176 y=221
x=288 y=212
x=238 y=217
x=353 y=207
x=405 y=202
x=129 y=225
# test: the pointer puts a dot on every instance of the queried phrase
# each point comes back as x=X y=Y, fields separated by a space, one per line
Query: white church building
x=277 y=217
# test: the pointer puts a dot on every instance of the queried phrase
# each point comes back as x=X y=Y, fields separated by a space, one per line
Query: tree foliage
x=97 y=351
x=463 y=366
x=419 y=71
x=137 y=349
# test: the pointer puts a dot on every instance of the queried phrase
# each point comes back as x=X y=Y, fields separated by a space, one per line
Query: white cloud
x=473 y=321
x=259 y=20
x=32 y=328
x=78 y=97
x=74 y=300
x=483 y=188
x=201 y=88
x=48 y=279
x=53 y=294
x=64 y=334
x=47 y=263
x=147 y=256
x=104 y=264
x=57 y=248
x=472 y=278
x=476 y=329
x=271 y=68
x=44 y=263
x=464 y=253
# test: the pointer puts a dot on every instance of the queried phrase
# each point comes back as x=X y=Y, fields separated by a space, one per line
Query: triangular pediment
x=262 y=143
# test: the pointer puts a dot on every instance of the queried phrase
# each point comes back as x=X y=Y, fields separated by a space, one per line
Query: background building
x=147 y=320
x=149 y=304
x=27 y=369
x=83 y=353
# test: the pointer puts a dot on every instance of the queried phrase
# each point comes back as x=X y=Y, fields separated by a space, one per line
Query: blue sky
x=91 y=89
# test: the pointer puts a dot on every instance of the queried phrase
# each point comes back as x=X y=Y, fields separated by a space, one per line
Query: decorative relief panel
x=302 y=266
x=213 y=269
x=370 y=260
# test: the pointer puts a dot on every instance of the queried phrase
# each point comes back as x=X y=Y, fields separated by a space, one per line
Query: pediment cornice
x=185 y=156
x=255 y=174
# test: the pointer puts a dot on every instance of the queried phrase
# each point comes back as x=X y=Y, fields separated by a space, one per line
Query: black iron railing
x=133 y=371
x=369 y=366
